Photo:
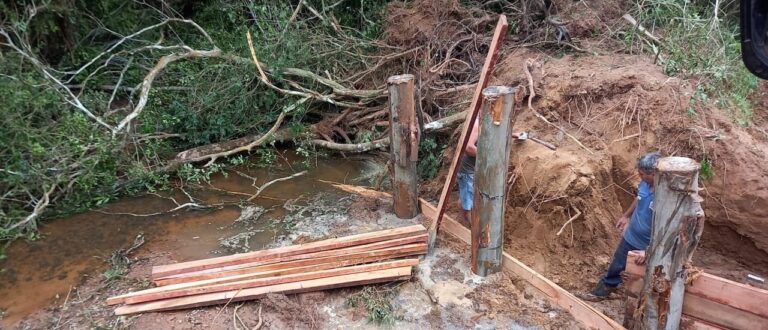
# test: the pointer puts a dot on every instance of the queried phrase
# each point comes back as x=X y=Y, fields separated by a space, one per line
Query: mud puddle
x=37 y=273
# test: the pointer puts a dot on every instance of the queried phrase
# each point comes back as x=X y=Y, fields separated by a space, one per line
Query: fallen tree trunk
x=246 y=143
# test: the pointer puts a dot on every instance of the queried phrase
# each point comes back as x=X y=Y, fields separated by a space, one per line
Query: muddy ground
x=443 y=294
x=619 y=105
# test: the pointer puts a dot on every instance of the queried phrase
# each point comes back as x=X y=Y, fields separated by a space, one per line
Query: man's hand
x=621 y=224
x=640 y=258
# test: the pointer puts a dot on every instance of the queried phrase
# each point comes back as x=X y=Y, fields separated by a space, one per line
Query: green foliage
x=190 y=173
x=118 y=267
x=48 y=144
x=697 y=44
x=707 y=171
x=377 y=301
x=430 y=157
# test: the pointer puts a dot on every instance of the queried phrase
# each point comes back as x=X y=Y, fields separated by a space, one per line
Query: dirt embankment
x=619 y=106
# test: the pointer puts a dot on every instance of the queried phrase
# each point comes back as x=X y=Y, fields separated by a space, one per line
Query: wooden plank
x=329 y=244
x=490 y=186
x=194 y=288
x=253 y=293
x=404 y=147
x=692 y=323
x=720 y=314
x=581 y=311
x=283 y=259
x=294 y=266
x=686 y=322
x=300 y=266
x=485 y=76
x=722 y=290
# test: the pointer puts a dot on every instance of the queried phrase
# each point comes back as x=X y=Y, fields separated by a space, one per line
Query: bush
x=702 y=41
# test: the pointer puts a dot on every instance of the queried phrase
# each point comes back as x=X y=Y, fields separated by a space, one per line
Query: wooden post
x=677 y=225
x=490 y=179
x=405 y=135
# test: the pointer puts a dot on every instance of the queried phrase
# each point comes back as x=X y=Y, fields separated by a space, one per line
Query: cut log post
x=491 y=170
x=677 y=225
x=405 y=136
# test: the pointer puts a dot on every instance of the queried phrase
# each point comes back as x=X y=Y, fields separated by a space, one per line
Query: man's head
x=646 y=166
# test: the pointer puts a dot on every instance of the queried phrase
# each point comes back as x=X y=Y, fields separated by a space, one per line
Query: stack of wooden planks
x=333 y=263
x=712 y=302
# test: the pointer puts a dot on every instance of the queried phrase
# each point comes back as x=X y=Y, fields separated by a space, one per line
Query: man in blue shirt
x=636 y=223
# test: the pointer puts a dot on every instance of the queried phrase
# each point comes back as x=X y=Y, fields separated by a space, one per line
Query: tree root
x=528 y=63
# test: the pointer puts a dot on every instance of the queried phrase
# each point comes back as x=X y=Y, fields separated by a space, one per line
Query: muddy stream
x=37 y=273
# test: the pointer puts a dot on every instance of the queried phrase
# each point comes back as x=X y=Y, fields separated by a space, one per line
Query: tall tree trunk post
x=498 y=116
x=678 y=222
x=404 y=136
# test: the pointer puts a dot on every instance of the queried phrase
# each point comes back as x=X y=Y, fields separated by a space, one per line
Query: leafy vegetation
x=430 y=157
x=57 y=159
x=701 y=40
x=377 y=301
x=706 y=171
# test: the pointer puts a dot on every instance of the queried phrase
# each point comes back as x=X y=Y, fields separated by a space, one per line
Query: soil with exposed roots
x=619 y=106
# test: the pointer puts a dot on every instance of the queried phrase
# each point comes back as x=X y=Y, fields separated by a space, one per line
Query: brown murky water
x=36 y=273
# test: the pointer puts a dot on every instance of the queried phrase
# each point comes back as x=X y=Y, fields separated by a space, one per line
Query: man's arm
x=624 y=220
x=472 y=144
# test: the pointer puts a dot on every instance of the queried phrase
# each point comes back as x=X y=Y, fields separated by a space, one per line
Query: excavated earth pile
x=619 y=107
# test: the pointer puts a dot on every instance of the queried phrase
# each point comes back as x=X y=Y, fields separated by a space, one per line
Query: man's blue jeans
x=619 y=262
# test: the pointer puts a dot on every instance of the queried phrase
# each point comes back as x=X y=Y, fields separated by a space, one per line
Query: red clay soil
x=619 y=106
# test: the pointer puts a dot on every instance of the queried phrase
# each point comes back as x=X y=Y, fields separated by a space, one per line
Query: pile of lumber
x=709 y=300
x=334 y=263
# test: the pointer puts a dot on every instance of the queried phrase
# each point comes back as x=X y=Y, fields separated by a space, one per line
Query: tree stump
x=678 y=222
x=404 y=136
x=498 y=116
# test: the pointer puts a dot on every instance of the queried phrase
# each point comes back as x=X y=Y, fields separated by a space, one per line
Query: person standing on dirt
x=466 y=176
x=636 y=224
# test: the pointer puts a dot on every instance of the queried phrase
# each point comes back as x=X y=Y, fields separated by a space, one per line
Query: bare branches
x=150 y=77
x=134 y=35
x=264 y=186
x=69 y=96
x=40 y=206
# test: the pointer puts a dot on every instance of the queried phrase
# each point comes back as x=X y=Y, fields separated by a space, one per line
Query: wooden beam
x=329 y=244
x=295 y=266
x=208 y=299
x=678 y=221
x=581 y=311
x=490 y=179
x=485 y=76
x=399 y=242
x=710 y=287
x=194 y=288
x=687 y=322
x=404 y=147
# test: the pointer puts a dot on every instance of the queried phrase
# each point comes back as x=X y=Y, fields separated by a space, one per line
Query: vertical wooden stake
x=404 y=136
x=490 y=179
x=677 y=225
